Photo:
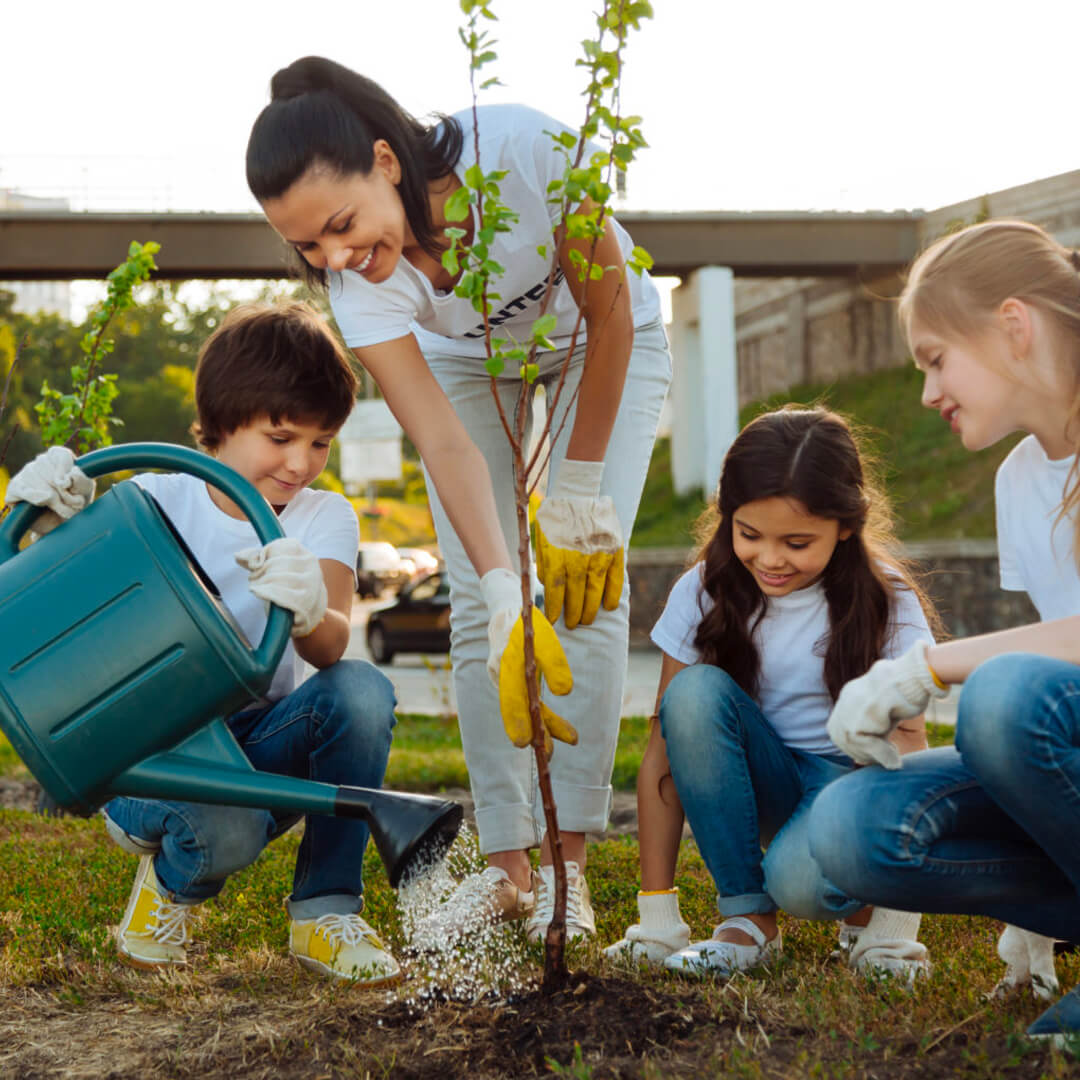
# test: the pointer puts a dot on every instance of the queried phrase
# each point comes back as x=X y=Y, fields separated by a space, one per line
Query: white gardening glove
x=285 y=573
x=1030 y=961
x=52 y=480
x=506 y=660
x=659 y=932
x=579 y=546
x=870 y=706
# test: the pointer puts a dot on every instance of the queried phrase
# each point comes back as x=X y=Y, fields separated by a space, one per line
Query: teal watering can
x=118 y=661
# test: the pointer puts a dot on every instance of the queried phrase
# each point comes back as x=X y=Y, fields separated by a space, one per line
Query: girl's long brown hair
x=810 y=455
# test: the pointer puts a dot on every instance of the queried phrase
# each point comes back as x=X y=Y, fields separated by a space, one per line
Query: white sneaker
x=715 y=957
x=480 y=900
x=1030 y=962
x=579 y=913
x=659 y=931
x=888 y=945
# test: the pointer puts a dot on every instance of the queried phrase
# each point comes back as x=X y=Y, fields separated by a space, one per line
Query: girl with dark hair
x=794 y=592
x=359 y=188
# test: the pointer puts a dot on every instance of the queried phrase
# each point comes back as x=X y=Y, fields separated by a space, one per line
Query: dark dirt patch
x=615 y=1022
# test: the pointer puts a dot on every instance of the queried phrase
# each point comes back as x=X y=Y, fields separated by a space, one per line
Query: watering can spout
x=411 y=832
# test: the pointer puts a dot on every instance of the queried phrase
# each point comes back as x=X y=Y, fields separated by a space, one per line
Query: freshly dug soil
x=614 y=1022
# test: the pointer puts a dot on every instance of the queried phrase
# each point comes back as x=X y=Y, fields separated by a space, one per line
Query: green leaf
x=544 y=325
x=450 y=262
x=494 y=367
x=456 y=208
x=474 y=177
x=642 y=258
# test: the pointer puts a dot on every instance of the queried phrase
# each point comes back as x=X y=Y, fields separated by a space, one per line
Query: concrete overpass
x=55 y=245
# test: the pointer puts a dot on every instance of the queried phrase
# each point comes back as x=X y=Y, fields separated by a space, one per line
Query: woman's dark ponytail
x=321 y=112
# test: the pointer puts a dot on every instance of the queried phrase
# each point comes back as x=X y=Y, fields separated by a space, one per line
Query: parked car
x=417 y=621
x=379 y=566
x=424 y=562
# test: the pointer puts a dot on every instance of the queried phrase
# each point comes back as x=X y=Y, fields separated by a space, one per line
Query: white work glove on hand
x=870 y=706
x=579 y=548
x=1030 y=961
x=287 y=574
x=52 y=480
x=502 y=594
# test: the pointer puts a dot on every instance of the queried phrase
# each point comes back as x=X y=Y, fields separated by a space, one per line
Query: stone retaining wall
x=960 y=575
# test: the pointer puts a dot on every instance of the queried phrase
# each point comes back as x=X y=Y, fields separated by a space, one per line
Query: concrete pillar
x=704 y=393
x=795 y=340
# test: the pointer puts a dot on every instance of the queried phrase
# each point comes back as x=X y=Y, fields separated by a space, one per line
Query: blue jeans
x=741 y=786
x=990 y=827
x=334 y=727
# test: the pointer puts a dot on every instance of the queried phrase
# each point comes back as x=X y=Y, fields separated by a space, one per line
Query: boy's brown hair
x=278 y=360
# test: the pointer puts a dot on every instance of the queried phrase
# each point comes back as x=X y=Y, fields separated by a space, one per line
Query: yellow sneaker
x=343 y=946
x=153 y=931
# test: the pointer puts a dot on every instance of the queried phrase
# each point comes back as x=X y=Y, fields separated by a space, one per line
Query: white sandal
x=714 y=957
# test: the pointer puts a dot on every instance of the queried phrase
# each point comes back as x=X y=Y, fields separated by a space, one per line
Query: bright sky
x=748 y=104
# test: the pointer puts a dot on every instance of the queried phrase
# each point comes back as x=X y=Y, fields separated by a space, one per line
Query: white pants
x=509 y=814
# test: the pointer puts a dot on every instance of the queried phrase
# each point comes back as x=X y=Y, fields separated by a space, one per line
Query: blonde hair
x=956 y=286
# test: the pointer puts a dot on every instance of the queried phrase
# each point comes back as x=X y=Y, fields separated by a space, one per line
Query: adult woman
x=359 y=189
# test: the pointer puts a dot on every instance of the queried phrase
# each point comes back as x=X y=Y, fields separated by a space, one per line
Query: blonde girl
x=992 y=825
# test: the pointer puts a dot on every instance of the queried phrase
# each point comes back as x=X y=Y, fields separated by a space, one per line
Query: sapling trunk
x=555 y=973
x=582 y=197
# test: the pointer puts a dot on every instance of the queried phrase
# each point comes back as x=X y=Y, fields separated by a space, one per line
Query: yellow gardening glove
x=513 y=691
x=506 y=661
x=580 y=557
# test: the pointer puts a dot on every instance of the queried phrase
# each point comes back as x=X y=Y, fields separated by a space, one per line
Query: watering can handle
x=177 y=459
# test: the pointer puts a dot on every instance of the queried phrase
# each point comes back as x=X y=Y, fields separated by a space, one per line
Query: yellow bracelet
x=659 y=892
x=937 y=678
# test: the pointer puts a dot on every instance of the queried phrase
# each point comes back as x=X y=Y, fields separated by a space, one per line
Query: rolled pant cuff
x=506 y=828
x=747 y=904
x=580 y=809
x=330 y=904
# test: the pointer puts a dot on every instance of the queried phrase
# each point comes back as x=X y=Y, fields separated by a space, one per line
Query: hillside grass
x=938 y=489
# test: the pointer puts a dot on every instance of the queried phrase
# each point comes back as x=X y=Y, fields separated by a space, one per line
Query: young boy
x=272 y=389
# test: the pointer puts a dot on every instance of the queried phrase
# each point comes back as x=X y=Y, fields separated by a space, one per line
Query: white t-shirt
x=1035 y=550
x=511 y=138
x=791 y=639
x=323 y=521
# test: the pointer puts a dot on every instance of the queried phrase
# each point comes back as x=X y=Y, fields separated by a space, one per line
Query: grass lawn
x=242 y=1008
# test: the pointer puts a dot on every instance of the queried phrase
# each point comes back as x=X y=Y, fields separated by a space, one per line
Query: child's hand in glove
x=52 y=480
x=580 y=557
x=285 y=573
x=870 y=706
x=506 y=660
